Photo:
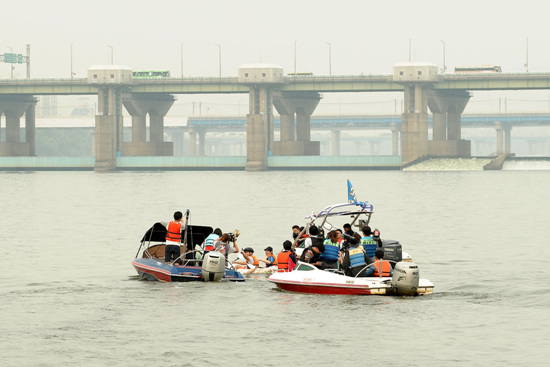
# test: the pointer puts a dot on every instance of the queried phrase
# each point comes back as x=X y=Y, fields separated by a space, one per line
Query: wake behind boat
x=149 y=262
x=307 y=278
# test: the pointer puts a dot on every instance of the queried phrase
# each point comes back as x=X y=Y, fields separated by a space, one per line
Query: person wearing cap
x=270 y=259
x=248 y=260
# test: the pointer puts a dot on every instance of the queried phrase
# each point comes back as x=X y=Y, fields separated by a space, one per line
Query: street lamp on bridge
x=295 y=41
x=329 y=58
x=219 y=58
x=112 y=52
x=444 y=54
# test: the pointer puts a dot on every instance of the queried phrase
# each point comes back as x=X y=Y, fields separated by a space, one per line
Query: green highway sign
x=12 y=58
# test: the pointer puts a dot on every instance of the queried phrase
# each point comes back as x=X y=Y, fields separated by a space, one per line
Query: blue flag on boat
x=352 y=199
x=351 y=194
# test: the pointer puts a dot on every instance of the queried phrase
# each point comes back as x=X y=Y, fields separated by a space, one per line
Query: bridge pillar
x=108 y=128
x=507 y=138
x=192 y=143
x=156 y=106
x=13 y=108
x=504 y=138
x=335 y=142
x=302 y=104
x=259 y=127
x=414 y=131
x=447 y=108
x=394 y=138
x=202 y=142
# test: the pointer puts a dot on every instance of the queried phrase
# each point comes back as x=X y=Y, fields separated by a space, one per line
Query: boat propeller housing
x=405 y=279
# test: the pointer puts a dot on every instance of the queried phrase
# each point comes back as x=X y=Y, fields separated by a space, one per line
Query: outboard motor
x=405 y=279
x=213 y=266
x=392 y=251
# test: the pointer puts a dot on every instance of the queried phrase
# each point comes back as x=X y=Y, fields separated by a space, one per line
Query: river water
x=70 y=297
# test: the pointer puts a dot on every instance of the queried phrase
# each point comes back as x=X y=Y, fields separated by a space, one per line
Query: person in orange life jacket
x=298 y=236
x=270 y=260
x=286 y=258
x=225 y=245
x=248 y=260
x=331 y=254
x=354 y=259
x=380 y=267
x=368 y=243
x=212 y=237
x=174 y=231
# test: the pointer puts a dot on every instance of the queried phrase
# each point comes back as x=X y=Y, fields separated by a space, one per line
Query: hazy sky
x=366 y=37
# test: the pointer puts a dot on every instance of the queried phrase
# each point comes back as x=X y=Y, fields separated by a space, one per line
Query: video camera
x=348 y=241
x=234 y=235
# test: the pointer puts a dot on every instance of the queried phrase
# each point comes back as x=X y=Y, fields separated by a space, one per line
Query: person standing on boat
x=227 y=244
x=173 y=238
x=368 y=243
x=354 y=259
x=314 y=248
x=348 y=230
x=380 y=267
x=331 y=254
x=270 y=260
x=286 y=260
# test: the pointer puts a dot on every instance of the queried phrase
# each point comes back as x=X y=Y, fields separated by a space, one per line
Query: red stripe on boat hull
x=321 y=289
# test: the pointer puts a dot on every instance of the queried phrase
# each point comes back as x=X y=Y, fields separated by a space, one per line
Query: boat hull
x=323 y=282
x=155 y=270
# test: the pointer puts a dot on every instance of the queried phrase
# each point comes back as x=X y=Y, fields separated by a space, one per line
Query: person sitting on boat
x=380 y=267
x=212 y=237
x=174 y=231
x=226 y=244
x=331 y=254
x=246 y=259
x=270 y=259
x=368 y=242
x=312 y=254
x=354 y=259
x=286 y=260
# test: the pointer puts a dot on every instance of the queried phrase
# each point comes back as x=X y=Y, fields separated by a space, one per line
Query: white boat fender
x=213 y=266
x=405 y=279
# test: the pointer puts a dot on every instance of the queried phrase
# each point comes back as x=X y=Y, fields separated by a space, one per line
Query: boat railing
x=186 y=261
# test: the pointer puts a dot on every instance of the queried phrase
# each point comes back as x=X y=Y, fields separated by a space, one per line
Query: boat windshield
x=304 y=267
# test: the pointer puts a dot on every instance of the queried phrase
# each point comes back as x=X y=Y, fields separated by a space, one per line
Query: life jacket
x=273 y=262
x=332 y=250
x=173 y=232
x=369 y=245
x=283 y=261
x=386 y=268
x=209 y=243
x=356 y=257
x=256 y=261
x=315 y=258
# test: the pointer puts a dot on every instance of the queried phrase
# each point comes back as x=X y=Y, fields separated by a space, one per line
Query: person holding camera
x=354 y=258
x=227 y=244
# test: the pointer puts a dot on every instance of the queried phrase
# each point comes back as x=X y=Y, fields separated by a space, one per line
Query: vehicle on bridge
x=151 y=74
x=478 y=69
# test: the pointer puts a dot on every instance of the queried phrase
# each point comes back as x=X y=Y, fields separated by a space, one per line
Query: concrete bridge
x=294 y=97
